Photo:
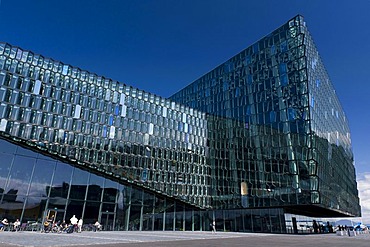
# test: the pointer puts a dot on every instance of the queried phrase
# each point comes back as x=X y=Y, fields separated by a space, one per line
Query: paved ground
x=178 y=239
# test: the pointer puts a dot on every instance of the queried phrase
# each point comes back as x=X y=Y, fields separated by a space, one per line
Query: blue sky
x=161 y=46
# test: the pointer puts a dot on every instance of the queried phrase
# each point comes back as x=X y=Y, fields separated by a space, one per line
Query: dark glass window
x=110 y=191
x=95 y=188
x=79 y=184
x=61 y=180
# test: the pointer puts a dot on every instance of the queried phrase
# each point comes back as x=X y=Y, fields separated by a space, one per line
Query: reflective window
x=20 y=174
x=41 y=179
x=6 y=162
x=61 y=180
x=26 y=152
x=110 y=191
x=7 y=147
x=79 y=184
x=95 y=189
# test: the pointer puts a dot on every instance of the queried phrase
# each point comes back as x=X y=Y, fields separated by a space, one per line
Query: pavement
x=176 y=238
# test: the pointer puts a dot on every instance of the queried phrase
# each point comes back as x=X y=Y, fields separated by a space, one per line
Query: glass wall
x=33 y=184
x=277 y=133
x=105 y=125
x=258 y=123
x=331 y=136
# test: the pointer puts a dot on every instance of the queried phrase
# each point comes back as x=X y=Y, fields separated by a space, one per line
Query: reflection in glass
x=110 y=191
x=41 y=178
x=6 y=162
x=74 y=207
x=26 y=152
x=61 y=180
x=7 y=147
x=20 y=176
x=92 y=210
x=79 y=184
x=94 y=192
x=34 y=208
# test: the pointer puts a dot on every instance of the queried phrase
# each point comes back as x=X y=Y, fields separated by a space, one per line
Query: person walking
x=79 y=224
x=213 y=227
x=315 y=226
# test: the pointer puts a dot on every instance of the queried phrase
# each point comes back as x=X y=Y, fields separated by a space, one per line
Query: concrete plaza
x=178 y=239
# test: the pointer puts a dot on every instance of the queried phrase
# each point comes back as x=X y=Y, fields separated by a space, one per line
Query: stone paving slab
x=178 y=239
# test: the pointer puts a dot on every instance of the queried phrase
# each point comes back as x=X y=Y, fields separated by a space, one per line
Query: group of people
x=50 y=225
x=5 y=224
x=319 y=228
x=75 y=225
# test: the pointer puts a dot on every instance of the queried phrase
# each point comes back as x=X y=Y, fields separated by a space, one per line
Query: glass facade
x=33 y=184
x=248 y=142
x=104 y=125
x=278 y=136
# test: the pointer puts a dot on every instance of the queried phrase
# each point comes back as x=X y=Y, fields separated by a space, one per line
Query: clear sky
x=161 y=46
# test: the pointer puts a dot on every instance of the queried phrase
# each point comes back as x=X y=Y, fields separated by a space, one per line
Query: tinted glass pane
x=96 y=185
x=7 y=147
x=121 y=198
x=45 y=157
x=42 y=178
x=136 y=196
x=20 y=175
x=180 y=218
x=79 y=184
x=6 y=161
x=61 y=181
x=26 y=152
x=74 y=208
x=110 y=191
x=148 y=199
x=91 y=212
x=169 y=217
x=108 y=207
x=34 y=209
x=12 y=209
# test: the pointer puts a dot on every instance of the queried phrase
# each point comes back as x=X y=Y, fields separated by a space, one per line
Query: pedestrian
x=74 y=221
x=213 y=227
x=79 y=224
x=315 y=226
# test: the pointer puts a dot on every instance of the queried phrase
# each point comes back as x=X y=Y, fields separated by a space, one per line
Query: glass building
x=260 y=137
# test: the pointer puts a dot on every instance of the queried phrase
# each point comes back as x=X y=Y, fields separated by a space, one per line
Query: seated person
x=4 y=223
x=63 y=225
x=17 y=225
x=47 y=225
x=97 y=226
